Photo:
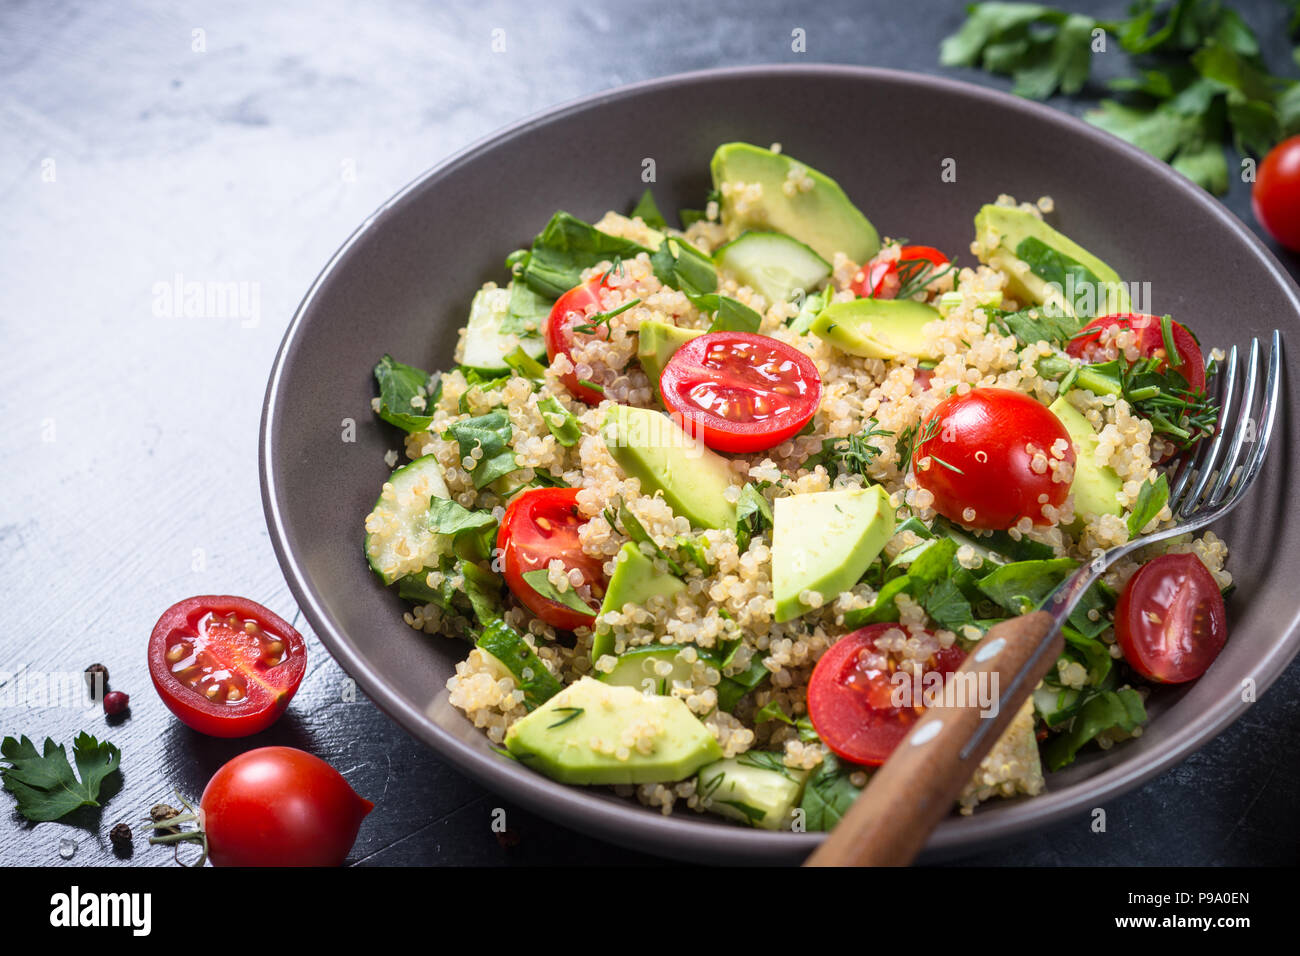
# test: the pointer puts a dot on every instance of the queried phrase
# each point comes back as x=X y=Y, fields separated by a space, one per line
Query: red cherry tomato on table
x=739 y=391
x=541 y=525
x=851 y=695
x=989 y=456
x=277 y=806
x=1170 y=621
x=1150 y=341
x=575 y=308
x=881 y=278
x=225 y=666
x=1275 y=196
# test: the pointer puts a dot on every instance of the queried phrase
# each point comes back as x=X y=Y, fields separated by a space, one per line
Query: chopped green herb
x=560 y=421
x=539 y=580
x=405 y=399
x=573 y=712
x=491 y=433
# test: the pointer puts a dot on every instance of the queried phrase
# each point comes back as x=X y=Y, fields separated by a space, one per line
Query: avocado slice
x=1095 y=487
x=635 y=581
x=1041 y=264
x=653 y=448
x=656 y=343
x=824 y=542
x=754 y=788
x=878 y=328
x=578 y=736
x=821 y=217
x=773 y=265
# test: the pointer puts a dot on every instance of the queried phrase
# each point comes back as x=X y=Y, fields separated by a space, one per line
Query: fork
x=917 y=786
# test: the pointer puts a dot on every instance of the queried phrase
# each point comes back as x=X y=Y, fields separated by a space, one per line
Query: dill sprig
x=913 y=437
x=915 y=274
x=593 y=323
x=852 y=454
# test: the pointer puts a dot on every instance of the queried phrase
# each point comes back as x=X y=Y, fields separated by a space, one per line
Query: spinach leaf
x=539 y=580
x=491 y=433
x=564 y=249
x=753 y=515
x=477 y=596
x=694 y=549
x=1092 y=653
x=399 y=385
x=1076 y=281
x=648 y=210
x=531 y=676
x=527 y=312
x=1151 y=499
x=731 y=689
x=881 y=610
x=729 y=315
x=473 y=532
x=828 y=794
x=1022 y=586
x=560 y=421
x=679 y=264
x=947 y=606
x=544 y=479
x=1113 y=708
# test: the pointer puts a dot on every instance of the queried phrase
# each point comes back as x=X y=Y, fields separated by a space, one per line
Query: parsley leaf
x=753 y=515
x=828 y=794
x=729 y=315
x=44 y=784
x=564 y=248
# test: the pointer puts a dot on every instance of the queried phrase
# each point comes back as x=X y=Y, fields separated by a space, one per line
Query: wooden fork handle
x=917 y=786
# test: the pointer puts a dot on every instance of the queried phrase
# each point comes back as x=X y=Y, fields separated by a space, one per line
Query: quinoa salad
x=694 y=497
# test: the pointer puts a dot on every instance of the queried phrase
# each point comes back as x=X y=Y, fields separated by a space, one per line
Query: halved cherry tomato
x=739 y=391
x=225 y=666
x=851 y=695
x=991 y=457
x=540 y=526
x=1170 y=621
x=575 y=307
x=278 y=806
x=881 y=278
x=1150 y=341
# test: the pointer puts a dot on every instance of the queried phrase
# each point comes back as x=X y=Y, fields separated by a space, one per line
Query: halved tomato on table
x=1170 y=621
x=739 y=391
x=225 y=666
x=540 y=526
x=852 y=691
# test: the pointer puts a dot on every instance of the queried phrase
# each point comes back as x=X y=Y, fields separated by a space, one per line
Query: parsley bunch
x=1201 y=81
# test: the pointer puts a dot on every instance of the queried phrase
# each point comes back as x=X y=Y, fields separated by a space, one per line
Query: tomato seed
x=176 y=652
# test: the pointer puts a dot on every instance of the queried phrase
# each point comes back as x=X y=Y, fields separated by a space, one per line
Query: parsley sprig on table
x=1201 y=80
x=44 y=783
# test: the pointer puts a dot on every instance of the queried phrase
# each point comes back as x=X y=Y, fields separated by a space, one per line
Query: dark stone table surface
x=243 y=141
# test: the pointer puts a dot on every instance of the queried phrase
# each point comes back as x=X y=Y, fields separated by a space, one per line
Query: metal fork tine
x=1254 y=463
x=1203 y=463
x=1244 y=425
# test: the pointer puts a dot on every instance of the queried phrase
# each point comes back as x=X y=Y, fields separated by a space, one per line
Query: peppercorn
x=120 y=837
x=115 y=702
x=96 y=680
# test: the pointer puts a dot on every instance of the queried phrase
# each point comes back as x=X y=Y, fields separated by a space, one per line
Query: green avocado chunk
x=754 y=788
x=595 y=733
x=656 y=344
x=654 y=449
x=639 y=668
x=635 y=581
x=1044 y=266
x=878 y=328
x=824 y=542
x=814 y=209
x=1095 y=487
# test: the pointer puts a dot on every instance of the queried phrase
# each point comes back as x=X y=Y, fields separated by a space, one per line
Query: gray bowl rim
x=630 y=824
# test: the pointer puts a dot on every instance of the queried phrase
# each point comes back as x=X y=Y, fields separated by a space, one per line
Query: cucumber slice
x=485 y=345
x=398 y=539
x=638 y=667
x=773 y=265
x=812 y=307
x=754 y=788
